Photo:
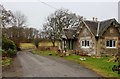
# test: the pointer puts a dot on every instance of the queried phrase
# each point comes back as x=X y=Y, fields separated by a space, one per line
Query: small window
x=110 y=44
x=85 y=44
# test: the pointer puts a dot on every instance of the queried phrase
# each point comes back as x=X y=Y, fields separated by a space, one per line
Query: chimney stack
x=95 y=19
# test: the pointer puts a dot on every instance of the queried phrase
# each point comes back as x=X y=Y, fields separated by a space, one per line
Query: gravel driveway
x=27 y=64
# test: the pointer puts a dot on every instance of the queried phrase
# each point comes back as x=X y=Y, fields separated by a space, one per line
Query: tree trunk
x=53 y=43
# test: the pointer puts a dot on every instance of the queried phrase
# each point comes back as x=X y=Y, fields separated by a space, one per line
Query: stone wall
x=110 y=34
x=85 y=34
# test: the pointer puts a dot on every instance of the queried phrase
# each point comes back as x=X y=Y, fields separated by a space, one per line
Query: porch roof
x=70 y=33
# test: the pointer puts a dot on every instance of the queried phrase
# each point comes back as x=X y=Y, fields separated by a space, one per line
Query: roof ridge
x=107 y=20
x=101 y=20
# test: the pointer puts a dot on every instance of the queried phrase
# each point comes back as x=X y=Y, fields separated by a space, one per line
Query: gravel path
x=27 y=64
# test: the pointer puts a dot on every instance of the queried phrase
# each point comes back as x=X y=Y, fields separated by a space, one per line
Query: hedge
x=8 y=47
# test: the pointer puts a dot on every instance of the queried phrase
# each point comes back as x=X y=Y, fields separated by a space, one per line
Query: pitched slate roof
x=96 y=27
x=93 y=26
x=105 y=24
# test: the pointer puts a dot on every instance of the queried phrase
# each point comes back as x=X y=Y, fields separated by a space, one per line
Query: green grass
x=99 y=65
x=45 y=53
x=6 y=62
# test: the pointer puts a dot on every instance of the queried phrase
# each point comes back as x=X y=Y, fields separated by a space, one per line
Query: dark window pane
x=110 y=43
x=87 y=43
x=82 y=43
x=107 y=43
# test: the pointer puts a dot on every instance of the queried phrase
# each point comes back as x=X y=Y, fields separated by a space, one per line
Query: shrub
x=8 y=47
x=4 y=53
x=8 y=44
x=11 y=53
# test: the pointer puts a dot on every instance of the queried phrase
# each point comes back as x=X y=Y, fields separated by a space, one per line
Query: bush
x=8 y=44
x=8 y=47
x=11 y=53
x=4 y=53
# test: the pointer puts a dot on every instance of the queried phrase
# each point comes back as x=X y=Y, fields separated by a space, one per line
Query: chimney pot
x=93 y=18
x=96 y=19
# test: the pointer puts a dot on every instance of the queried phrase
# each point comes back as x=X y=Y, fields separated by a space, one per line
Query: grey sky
x=37 y=12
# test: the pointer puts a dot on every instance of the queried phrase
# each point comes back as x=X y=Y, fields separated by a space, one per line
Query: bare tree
x=16 y=32
x=19 y=19
x=18 y=23
x=5 y=16
x=30 y=33
x=60 y=19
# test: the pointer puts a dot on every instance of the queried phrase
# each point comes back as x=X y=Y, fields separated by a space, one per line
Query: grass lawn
x=99 y=65
x=45 y=53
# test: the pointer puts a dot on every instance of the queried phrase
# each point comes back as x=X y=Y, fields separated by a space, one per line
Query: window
x=85 y=44
x=110 y=44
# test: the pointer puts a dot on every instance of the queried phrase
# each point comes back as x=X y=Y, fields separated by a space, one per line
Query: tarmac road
x=27 y=64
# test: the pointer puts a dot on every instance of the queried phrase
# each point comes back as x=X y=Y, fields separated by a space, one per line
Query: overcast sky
x=37 y=12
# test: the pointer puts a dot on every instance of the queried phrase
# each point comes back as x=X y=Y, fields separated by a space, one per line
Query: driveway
x=27 y=64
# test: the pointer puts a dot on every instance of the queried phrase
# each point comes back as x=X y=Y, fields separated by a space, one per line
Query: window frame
x=109 y=45
x=85 y=44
